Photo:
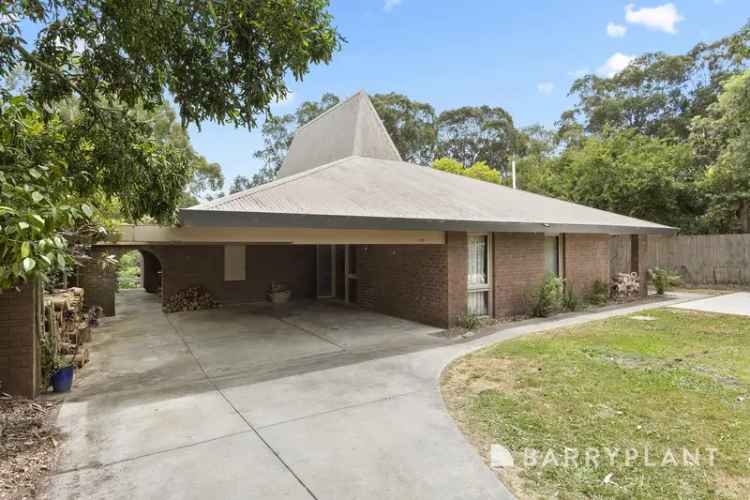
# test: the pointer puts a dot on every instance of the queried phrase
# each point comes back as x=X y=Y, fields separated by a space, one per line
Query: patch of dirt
x=28 y=446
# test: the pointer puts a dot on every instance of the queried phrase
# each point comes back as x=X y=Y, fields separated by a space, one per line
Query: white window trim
x=485 y=287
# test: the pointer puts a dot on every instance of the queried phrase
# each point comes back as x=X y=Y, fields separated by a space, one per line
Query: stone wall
x=20 y=370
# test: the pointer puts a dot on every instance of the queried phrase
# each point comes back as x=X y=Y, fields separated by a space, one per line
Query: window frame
x=560 y=237
x=488 y=287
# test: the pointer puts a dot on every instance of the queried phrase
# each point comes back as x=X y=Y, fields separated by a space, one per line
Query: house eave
x=318 y=221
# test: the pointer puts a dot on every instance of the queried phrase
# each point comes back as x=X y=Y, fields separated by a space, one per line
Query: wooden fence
x=700 y=259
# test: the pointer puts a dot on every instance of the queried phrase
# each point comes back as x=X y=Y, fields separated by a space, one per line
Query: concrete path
x=733 y=303
x=246 y=403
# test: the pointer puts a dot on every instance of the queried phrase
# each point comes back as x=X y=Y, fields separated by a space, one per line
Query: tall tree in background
x=722 y=140
x=482 y=133
x=411 y=125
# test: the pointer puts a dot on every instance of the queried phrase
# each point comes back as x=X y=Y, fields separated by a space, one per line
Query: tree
x=659 y=94
x=309 y=110
x=277 y=137
x=61 y=172
x=627 y=173
x=220 y=61
x=74 y=148
x=480 y=170
x=721 y=140
x=472 y=134
x=240 y=183
x=410 y=124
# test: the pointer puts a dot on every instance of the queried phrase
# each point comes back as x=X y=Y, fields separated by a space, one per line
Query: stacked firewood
x=190 y=299
x=625 y=285
x=68 y=324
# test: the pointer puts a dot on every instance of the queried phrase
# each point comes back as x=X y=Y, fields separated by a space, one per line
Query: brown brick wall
x=150 y=275
x=586 y=260
x=425 y=283
x=98 y=280
x=518 y=265
x=185 y=266
x=19 y=345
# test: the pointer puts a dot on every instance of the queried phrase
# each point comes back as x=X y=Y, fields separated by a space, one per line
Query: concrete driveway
x=733 y=303
x=317 y=401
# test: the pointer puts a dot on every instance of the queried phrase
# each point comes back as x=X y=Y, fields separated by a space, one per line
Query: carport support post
x=639 y=260
x=98 y=280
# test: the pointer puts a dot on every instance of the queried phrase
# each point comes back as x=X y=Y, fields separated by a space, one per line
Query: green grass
x=682 y=381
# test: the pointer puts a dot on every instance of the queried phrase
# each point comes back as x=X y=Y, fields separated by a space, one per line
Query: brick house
x=348 y=219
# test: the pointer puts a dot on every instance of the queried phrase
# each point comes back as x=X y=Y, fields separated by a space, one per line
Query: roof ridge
x=327 y=111
x=381 y=125
x=265 y=187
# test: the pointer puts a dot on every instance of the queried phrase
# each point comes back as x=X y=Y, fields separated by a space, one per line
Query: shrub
x=599 y=293
x=469 y=321
x=663 y=279
x=570 y=300
x=547 y=299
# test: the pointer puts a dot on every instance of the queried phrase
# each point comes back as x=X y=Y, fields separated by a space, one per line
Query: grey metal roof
x=366 y=193
x=351 y=128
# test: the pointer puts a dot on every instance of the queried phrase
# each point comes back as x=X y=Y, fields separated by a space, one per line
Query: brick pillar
x=639 y=260
x=99 y=283
x=150 y=272
x=20 y=311
x=457 y=266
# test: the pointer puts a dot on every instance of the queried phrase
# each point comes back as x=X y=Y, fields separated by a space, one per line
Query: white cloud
x=616 y=63
x=545 y=88
x=389 y=5
x=616 y=30
x=661 y=18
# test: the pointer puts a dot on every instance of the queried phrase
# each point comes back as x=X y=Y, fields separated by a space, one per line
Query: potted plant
x=279 y=293
x=62 y=374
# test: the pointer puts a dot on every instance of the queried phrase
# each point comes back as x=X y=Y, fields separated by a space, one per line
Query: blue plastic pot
x=62 y=379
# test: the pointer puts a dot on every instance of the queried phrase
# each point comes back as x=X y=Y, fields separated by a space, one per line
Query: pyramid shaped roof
x=343 y=171
x=351 y=128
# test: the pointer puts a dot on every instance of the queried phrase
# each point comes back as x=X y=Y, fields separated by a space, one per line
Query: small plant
x=599 y=293
x=663 y=279
x=547 y=299
x=570 y=300
x=469 y=321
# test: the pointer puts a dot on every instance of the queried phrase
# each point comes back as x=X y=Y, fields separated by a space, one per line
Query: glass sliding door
x=479 y=275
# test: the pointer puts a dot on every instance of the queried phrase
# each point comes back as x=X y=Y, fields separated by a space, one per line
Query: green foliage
x=599 y=293
x=623 y=172
x=546 y=299
x=722 y=140
x=411 y=125
x=220 y=61
x=479 y=170
x=129 y=271
x=469 y=321
x=472 y=134
x=57 y=176
x=570 y=300
x=663 y=279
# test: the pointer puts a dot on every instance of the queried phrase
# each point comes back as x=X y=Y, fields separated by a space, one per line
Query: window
x=552 y=255
x=479 y=274
x=234 y=262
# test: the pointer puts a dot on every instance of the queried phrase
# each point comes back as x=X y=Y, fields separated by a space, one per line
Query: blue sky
x=522 y=56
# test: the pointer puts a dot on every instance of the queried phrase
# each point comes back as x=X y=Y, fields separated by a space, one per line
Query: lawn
x=613 y=387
